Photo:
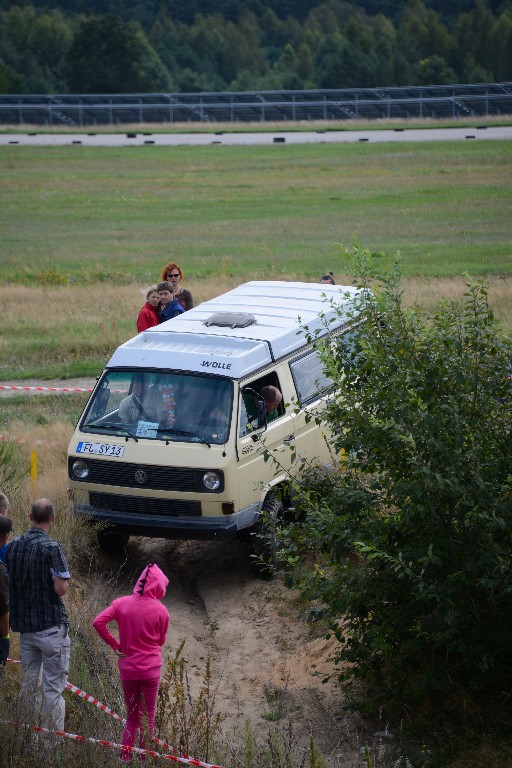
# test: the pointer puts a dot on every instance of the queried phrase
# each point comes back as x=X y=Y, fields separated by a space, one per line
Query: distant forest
x=131 y=46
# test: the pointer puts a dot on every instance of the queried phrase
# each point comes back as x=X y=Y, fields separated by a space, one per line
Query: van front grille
x=156 y=478
x=145 y=506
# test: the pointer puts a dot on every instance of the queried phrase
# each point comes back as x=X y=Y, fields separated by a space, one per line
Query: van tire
x=112 y=542
x=263 y=537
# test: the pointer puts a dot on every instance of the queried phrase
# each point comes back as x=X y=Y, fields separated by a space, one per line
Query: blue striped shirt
x=33 y=559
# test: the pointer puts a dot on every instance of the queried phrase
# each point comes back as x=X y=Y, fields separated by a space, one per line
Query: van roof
x=278 y=314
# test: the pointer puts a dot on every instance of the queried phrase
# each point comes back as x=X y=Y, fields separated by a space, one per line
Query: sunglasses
x=173 y=274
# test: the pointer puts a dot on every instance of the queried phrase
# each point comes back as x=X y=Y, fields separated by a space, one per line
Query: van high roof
x=240 y=331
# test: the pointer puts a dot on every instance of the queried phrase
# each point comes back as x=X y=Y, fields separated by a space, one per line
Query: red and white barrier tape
x=103 y=707
x=56 y=389
x=105 y=743
x=83 y=695
x=27 y=441
x=45 y=389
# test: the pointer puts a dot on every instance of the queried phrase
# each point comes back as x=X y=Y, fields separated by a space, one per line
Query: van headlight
x=212 y=481
x=80 y=469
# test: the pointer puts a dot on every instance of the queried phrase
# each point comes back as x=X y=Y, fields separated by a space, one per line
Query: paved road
x=273 y=137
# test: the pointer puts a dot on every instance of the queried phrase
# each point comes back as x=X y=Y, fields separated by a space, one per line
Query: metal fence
x=258 y=106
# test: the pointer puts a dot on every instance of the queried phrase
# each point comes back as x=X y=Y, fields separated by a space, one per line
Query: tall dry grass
x=58 y=309
x=71 y=331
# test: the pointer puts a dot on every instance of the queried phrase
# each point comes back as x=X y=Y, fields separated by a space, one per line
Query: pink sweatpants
x=140 y=697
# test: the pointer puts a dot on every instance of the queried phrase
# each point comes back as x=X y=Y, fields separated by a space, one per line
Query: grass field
x=85 y=231
x=86 y=214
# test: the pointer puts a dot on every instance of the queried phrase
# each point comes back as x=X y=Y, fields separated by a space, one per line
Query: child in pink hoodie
x=142 y=622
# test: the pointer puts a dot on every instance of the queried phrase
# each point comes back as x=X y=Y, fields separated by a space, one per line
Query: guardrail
x=281 y=106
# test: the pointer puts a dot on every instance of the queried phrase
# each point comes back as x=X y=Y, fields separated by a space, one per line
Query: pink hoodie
x=142 y=622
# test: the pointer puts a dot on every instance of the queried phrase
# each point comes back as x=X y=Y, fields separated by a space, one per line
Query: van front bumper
x=158 y=526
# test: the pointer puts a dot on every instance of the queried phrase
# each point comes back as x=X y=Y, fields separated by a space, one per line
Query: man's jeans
x=45 y=663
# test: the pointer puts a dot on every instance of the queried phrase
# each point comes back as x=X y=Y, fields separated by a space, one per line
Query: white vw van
x=172 y=441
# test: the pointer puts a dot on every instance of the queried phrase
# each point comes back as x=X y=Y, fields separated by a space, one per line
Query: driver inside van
x=271 y=397
x=138 y=405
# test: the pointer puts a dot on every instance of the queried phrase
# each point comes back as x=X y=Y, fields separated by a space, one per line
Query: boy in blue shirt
x=170 y=307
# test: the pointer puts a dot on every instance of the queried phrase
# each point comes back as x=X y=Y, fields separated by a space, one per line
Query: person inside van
x=271 y=397
x=136 y=406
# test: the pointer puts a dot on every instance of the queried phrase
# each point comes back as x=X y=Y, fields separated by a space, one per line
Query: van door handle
x=289 y=439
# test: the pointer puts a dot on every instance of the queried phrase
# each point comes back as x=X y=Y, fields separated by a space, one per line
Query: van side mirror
x=261 y=413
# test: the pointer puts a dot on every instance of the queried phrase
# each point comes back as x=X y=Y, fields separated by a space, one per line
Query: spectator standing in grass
x=328 y=279
x=38 y=580
x=174 y=274
x=5 y=529
x=148 y=315
x=169 y=306
x=142 y=623
x=4 y=512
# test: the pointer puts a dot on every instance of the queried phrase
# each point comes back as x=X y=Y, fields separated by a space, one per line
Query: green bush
x=406 y=549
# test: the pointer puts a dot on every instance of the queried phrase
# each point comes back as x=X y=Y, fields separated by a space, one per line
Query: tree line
x=251 y=45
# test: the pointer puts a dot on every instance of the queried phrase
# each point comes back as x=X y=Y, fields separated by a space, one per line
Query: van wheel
x=112 y=542
x=264 y=538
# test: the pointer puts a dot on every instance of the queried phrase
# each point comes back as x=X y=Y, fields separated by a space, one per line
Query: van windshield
x=174 y=407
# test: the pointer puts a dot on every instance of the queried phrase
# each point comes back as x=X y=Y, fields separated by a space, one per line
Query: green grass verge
x=78 y=215
x=41 y=410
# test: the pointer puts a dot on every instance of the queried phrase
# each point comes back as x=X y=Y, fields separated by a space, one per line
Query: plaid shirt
x=33 y=559
x=4 y=591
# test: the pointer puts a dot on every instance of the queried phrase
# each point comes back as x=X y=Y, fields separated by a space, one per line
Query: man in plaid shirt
x=38 y=579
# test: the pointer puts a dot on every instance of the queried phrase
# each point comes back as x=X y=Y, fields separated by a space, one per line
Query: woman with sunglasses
x=173 y=274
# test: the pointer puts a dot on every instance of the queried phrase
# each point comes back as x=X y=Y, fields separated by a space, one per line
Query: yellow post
x=33 y=472
x=343 y=459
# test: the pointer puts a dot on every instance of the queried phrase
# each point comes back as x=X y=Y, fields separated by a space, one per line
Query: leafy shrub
x=407 y=549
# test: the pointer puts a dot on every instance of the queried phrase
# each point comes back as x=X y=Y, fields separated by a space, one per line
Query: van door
x=256 y=469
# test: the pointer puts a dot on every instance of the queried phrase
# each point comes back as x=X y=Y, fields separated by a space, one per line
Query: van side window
x=250 y=392
x=311 y=381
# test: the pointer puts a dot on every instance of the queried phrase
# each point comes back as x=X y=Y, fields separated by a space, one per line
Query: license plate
x=102 y=449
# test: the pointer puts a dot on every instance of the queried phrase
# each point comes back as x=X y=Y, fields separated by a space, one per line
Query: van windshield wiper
x=182 y=433
x=105 y=424
x=110 y=425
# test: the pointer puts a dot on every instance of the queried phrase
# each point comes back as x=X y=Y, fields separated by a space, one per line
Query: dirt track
x=268 y=664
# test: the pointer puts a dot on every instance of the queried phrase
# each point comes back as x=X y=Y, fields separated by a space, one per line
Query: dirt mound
x=268 y=663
